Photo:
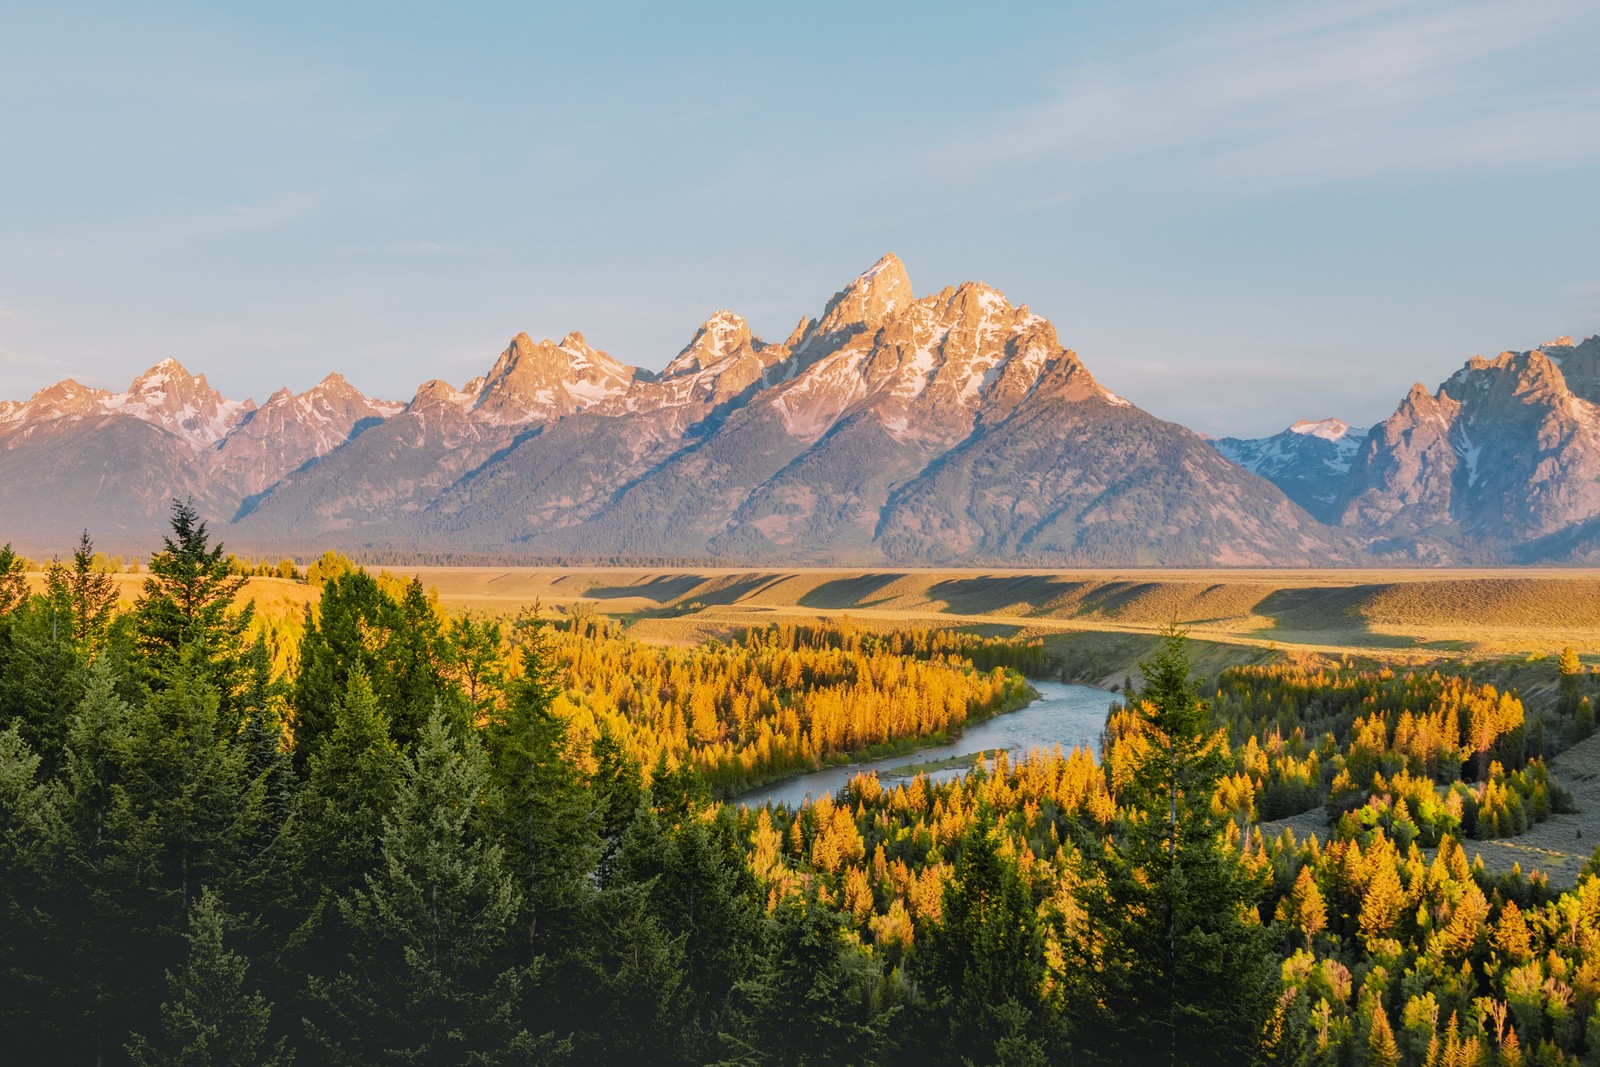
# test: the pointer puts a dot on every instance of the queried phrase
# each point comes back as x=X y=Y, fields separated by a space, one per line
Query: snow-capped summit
x=1327 y=429
x=1309 y=461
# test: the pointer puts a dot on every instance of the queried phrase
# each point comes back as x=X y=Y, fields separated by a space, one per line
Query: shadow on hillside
x=1011 y=594
x=663 y=588
x=853 y=592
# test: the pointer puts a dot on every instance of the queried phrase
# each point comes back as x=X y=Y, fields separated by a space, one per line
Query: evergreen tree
x=416 y=666
x=345 y=635
x=703 y=895
x=263 y=737
x=188 y=602
x=428 y=980
x=195 y=785
x=618 y=795
x=30 y=819
x=540 y=809
x=1181 y=964
x=42 y=674
x=107 y=908
x=620 y=990
x=211 y=1019
x=13 y=580
x=983 y=963
x=818 y=999
x=399 y=644
x=334 y=836
x=92 y=592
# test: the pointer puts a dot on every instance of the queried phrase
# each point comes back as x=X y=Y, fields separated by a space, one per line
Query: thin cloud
x=1323 y=95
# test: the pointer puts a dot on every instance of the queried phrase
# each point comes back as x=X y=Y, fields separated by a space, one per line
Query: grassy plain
x=1098 y=623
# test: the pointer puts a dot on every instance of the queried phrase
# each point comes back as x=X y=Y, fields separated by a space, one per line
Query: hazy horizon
x=1238 y=217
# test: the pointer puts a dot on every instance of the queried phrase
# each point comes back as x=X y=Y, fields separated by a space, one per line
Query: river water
x=1064 y=715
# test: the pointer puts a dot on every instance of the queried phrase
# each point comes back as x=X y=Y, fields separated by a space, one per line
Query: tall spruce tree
x=333 y=840
x=818 y=998
x=704 y=896
x=195 y=782
x=108 y=907
x=983 y=964
x=1182 y=966
x=429 y=978
x=399 y=644
x=188 y=602
x=13 y=580
x=30 y=828
x=92 y=592
x=540 y=809
x=212 y=1018
x=42 y=672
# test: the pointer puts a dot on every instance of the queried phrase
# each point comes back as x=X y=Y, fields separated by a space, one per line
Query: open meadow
x=1097 y=623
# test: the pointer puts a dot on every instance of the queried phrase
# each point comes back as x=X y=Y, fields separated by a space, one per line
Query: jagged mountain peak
x=864 y=304
x=1310 y=461
x=1579 y=363
x=931 y=367
x=164 y=370
x=531 y=381
x=720 y=336
x=1527 y=375
x=68 y=389
x=1327 y=429
x=435 y=392
x=183 y=403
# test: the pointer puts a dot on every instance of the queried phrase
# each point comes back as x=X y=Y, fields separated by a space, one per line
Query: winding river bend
x=1064 y=715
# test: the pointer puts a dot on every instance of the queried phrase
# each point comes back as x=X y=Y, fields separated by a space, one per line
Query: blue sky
x=1238 y=214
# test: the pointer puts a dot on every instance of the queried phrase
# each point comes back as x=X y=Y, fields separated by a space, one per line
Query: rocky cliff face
x=1504 y=455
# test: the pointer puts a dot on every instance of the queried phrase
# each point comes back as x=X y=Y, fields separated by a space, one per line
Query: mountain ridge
x=954 y=428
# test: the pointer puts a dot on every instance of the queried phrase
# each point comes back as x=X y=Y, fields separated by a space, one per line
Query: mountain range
x=954 y=428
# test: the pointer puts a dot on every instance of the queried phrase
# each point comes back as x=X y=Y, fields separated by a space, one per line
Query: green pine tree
x=212 y=1018
x=1182 y=972
x=111 y=911
x=42 y=673
x=333 y=839
x=543 y=814
x=703 y=895
x=30 y=827
x=429 y=978
x=195 y=785
x=92 y=593
x=983 y=964
x=188 y=602
x=818 y=999
x=13 y=580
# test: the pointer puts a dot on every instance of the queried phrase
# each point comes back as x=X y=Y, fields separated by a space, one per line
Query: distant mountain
x=1503 y=462
x=953 y=428
x=1310 y=462
x=948 y=428
x=73 y=457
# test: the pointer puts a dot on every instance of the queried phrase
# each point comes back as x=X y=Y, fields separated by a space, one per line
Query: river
x=1064 y=715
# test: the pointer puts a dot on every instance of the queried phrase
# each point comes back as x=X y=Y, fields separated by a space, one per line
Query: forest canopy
x=385 y=834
